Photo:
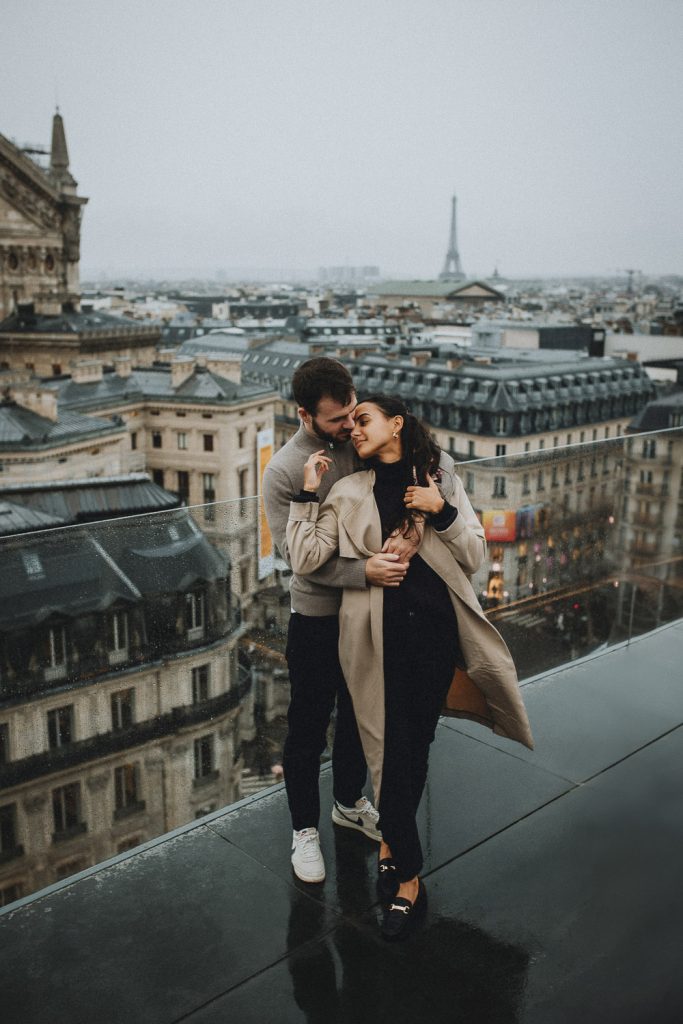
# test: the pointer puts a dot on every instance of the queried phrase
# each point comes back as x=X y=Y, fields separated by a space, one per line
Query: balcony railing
x=653 y=490
x=93 y=748
x=644 y=519
x=92 y=664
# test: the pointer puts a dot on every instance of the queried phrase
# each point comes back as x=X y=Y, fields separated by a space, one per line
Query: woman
x=400 y=647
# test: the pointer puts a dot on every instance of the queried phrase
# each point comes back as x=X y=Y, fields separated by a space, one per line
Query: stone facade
x=40 y=218
x=42 y=329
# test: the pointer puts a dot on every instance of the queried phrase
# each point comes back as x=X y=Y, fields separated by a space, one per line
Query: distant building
x=651 y=533
x=40 y=442
x=509 y=334
x=433 y=299
x=194 y=430
x=351 y=328
x=661 y=354
x=263 y=308
x=40 y=225
x=42 y=328
x=358 y=275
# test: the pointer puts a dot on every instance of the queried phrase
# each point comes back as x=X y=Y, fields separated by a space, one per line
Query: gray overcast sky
x=298 y=133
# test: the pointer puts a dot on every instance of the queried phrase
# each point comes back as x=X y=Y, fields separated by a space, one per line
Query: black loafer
x=401 y=916
x=387 y=882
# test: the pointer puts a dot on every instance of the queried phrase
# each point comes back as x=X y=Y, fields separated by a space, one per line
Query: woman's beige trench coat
x=348 y=522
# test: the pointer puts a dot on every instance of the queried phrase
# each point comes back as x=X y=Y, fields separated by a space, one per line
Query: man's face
x=332 y=421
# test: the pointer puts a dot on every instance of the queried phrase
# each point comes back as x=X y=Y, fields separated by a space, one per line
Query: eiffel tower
x=452 y=270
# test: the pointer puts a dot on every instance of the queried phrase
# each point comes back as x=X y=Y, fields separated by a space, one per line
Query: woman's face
x=373 y=433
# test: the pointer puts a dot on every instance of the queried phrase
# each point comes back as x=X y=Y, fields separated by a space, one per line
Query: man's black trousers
x=316 y=681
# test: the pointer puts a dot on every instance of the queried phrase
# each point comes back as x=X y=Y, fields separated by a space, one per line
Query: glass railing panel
x=127 y=692
x=583 y=544
x=143 y=680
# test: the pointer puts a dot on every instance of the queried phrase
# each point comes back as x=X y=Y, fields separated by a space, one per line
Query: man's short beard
x=328 y=438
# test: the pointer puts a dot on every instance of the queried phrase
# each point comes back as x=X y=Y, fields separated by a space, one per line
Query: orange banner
x=265 y=541
x=500 y=525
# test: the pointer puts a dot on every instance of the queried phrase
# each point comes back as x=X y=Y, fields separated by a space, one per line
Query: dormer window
x=54 y=653
x=195 y=615
x=32 y=564
x=118 y=637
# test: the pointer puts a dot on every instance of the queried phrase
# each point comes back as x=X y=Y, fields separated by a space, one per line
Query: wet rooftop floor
x=554 y=883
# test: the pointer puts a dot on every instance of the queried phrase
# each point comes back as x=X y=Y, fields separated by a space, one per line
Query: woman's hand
x=314 y=469
x=424 y=499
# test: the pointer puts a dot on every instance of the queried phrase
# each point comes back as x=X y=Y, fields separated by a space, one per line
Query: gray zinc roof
x=91 y=500
x=73 y=572
x=112 y=388
x=71 y=323
x=154 y=382
x=15 y=518
x=22 y=428
x=658 y=415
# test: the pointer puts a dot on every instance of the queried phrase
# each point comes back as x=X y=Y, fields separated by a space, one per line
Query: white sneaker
x=307 y=858
x=362 y=816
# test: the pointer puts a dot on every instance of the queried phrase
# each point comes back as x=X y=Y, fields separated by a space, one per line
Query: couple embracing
x=382 y=540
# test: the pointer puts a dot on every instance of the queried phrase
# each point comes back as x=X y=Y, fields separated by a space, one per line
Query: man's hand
x=385 y=570
x=405 y=544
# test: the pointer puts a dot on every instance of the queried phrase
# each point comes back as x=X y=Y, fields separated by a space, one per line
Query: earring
x=395 y=434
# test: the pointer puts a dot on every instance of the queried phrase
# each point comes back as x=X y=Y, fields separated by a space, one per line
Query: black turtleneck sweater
x=422 y=592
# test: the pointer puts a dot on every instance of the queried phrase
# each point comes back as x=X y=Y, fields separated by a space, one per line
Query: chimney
x=42 y=401
x=228 y=367
x=48 y=304
x=420 y=358
x=123 y=364
x=86 y=371
x=182 y=367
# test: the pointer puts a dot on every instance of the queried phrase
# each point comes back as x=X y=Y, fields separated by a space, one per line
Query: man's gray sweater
x=320 y=593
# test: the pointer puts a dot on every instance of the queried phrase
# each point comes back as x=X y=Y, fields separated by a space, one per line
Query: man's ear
x=304 y=415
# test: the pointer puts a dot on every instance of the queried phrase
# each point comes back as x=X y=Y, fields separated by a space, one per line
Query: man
x=326 y=399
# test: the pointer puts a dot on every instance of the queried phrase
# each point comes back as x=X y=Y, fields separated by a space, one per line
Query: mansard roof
x=22 y=429
x=660 y=414
x=88 y=500
x=72 y=322
x=69 y=573
x=155 y=382
x=448 y=390
x=16 y=518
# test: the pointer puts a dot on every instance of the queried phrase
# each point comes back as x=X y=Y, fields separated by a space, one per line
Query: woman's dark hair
x=318 y=378
x=420 y=452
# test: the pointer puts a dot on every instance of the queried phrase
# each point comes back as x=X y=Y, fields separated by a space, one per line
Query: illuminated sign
x=500 y=525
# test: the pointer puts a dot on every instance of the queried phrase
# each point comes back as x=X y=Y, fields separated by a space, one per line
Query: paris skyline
x=295 y=135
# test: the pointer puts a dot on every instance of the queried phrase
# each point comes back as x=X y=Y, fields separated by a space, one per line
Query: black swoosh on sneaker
x=358 y=821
